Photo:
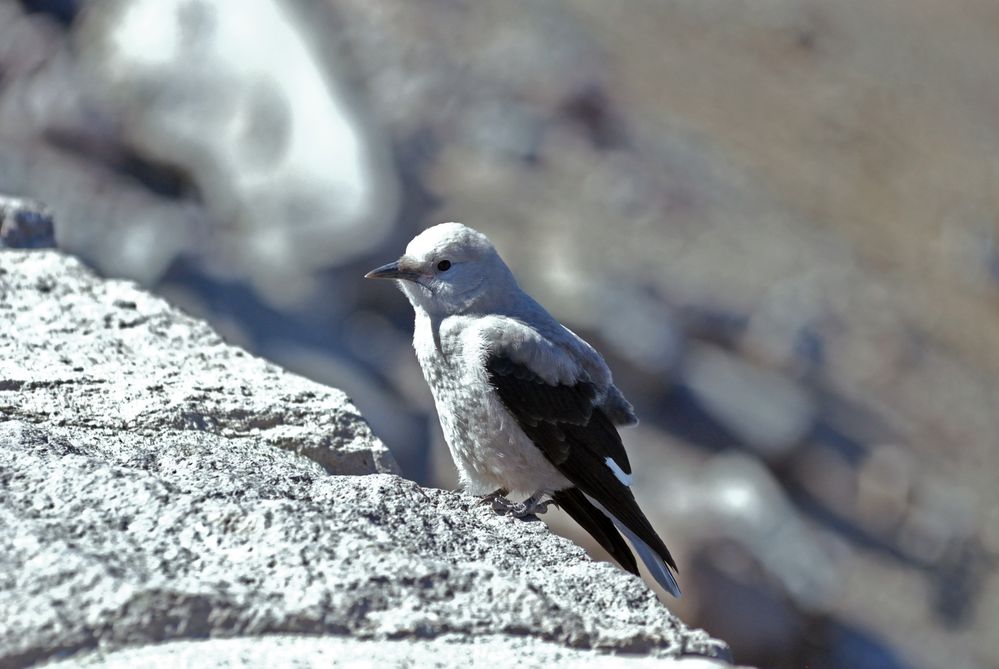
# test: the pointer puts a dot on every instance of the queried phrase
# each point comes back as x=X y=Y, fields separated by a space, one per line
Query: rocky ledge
x=166 y=497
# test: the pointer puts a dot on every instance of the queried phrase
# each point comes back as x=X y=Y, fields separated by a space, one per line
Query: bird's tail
x=654 y=562
x=599 y=526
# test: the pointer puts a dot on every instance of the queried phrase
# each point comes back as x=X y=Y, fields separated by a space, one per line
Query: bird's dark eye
x=444 y=265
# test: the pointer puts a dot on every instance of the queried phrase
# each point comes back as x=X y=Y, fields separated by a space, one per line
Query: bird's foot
x=531 y=506
x=491 y=498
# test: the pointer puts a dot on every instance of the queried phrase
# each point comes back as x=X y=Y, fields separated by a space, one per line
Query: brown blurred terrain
x=777 y=219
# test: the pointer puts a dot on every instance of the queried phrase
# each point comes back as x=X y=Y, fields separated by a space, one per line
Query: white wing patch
x=618 y=472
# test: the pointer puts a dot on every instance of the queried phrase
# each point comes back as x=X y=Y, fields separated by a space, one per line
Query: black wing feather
x=600 y=527
x=548 y=410
x=577 y=437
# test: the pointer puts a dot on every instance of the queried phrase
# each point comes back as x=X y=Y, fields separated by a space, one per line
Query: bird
x=525 y=404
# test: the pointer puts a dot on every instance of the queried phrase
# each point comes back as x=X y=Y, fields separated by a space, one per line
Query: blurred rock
x=25 y=224
x=237 y=100
x=738 y=499
x=735 y=597
x=60 y=144
x=768 y=411
x=884 y=487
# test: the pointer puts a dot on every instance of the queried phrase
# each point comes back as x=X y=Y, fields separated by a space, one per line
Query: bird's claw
x=493 y=496
x=531 y=506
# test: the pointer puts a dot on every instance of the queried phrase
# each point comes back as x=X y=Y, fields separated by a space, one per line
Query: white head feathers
x=451 y=269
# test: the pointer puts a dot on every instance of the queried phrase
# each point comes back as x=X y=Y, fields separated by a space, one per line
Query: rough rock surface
x=127 y=374
x=153 y=488
x=309 y=652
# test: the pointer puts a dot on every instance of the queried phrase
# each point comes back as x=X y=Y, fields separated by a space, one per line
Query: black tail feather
x=599 y=526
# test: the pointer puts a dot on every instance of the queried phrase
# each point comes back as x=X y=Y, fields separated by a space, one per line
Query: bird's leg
x=532 y=506
x=491 y=498
x=529 y=507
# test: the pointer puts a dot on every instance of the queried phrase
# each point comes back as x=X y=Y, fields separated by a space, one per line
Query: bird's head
x=450 y=269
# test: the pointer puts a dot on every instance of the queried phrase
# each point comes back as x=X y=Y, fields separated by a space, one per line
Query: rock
x=153 y=489
x=300 y=651
x=64 y=143
x=303 y=651
x=117 y=366
x=770 y=412
x=25 y=224
x=289 y=161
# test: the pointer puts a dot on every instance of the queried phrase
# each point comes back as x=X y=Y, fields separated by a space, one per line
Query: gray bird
x=526 y=405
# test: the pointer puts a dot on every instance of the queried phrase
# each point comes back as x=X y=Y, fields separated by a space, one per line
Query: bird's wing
x=565 y=420
x=617 y=408
x=560 y=356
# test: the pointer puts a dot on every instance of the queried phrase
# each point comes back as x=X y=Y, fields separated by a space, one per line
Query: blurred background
x=777 y=219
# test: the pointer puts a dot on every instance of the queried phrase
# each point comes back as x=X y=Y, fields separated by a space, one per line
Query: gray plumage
x=526 y=405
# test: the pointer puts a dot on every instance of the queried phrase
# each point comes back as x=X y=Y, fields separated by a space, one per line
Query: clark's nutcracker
x=526 y=405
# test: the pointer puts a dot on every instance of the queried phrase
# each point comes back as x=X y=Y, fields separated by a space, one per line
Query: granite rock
x=158 y=485
x=125 y=372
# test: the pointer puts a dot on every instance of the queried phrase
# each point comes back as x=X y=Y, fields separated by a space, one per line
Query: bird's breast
x=489 y=449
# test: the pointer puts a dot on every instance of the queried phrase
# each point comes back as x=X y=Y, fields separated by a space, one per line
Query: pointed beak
x=393 y=270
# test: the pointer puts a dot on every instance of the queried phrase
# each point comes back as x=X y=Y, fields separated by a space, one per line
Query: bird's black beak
x=393 y=270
